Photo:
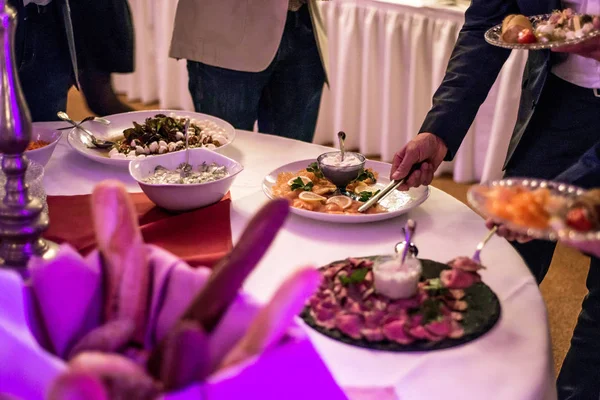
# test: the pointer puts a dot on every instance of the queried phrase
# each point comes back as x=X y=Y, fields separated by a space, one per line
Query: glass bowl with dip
x=341 y=172
x=394 y=279
x=209 y=179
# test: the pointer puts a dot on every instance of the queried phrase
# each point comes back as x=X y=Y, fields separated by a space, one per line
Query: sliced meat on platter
x=348 y=308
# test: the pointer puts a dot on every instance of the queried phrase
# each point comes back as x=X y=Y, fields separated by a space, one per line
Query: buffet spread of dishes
x=394 y=302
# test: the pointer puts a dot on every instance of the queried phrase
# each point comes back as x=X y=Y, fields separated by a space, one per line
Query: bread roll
x=122 y=379
x=275 y=318
x=124 y=256
x=229 y=274
x=77 y=386
x=512 y=25
x=108 y=338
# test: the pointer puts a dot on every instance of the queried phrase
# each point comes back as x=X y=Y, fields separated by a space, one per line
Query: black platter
x=481 y=315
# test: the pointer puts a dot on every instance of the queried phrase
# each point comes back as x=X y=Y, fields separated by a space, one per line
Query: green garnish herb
x=435 y=287
x=365 y=196
x=357 y=276
x=299 y=184
x=430 y=309
x=314 y=168
x=434 y=284
x=366 y=174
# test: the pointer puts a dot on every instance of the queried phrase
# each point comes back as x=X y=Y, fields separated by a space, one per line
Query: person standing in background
x=557 y=123
x=46 y=67
x=250 y=61
x=106 y=44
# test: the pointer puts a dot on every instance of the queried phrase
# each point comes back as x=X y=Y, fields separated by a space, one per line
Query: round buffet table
x=512 y=361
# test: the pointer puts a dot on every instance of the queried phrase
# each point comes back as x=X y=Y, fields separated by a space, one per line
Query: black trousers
x=566 y=123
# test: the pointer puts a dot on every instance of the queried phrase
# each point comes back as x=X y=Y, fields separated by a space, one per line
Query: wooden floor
x=563 y=289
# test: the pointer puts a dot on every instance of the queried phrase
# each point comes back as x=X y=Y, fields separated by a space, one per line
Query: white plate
x=397 y=202
x=120 y=122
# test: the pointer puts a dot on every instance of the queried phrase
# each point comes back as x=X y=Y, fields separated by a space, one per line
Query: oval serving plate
x=480 y=317
x=477 y=199
x=397 y=202
x=493 y=37
x=120 y=122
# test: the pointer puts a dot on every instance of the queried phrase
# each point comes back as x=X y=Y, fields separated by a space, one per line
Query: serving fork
x=477 y=256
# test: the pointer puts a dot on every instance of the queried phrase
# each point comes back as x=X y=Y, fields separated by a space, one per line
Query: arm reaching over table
x=472 y=70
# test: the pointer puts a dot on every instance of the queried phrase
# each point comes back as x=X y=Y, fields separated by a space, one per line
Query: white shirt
x=580 y=71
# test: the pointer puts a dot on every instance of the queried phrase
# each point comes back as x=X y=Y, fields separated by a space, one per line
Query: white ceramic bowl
x=184 y=197
x=43 y=154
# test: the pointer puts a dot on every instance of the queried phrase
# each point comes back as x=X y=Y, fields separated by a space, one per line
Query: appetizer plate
x=120 y=122
x=397 y=202
x=477 y=198
x=482 y=314
x=494 y=37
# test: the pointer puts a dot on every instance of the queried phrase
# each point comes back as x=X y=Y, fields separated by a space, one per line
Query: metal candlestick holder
x=21 y=218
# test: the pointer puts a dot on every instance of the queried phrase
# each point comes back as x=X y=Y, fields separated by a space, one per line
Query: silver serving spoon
x=342 y=139
x=185 y=167
x=92 y=118
x=88 y=139
x=412 y=248
x=409 y=231
x=477 y=256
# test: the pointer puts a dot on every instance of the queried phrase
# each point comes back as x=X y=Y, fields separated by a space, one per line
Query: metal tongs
x=393 y=185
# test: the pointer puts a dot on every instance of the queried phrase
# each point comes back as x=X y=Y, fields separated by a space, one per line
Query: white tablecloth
x=512 y=361
x=387 y=58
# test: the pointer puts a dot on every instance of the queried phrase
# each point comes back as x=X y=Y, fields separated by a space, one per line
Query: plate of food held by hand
x=141 y=134
x=330 y=189
x=540 y=32
x=540 y=209
x=384 y=303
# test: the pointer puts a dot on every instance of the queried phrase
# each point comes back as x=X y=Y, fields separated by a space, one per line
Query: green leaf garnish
x=299 y=184
x=314 y=168
x=366 y=174
x=365 y=196
x=434 y=284
x=435 y=287
x=357 y=276
x=431 y=311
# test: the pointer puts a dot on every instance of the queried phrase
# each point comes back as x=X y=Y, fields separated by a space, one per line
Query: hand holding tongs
x=393 y=185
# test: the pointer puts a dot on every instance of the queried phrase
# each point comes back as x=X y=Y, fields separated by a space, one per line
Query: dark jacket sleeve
x=472 y=70
x=586 y=171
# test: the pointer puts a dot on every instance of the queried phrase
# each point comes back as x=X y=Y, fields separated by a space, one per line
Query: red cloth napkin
x=199 y=237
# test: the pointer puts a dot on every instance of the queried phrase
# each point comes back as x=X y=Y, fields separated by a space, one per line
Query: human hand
x=506 y=233
x=589 y=48
x=427 y=149
x=590 y=247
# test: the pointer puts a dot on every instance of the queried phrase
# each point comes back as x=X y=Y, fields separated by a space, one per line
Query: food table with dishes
x=338 y=285
x=500 y=323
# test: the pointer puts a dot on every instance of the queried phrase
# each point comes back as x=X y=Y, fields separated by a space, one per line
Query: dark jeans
x=284 y=98
x=564 y=126
x=43 y=60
